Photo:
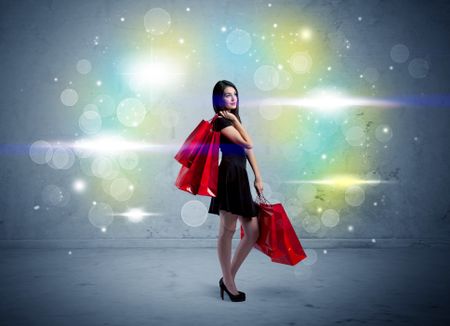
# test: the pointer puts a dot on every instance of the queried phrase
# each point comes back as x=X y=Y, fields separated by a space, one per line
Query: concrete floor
x=165 y=286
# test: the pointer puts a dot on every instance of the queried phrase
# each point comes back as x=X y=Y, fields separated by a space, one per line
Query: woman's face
x=230 y=98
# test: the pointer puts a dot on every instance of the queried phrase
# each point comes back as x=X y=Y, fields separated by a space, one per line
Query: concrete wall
x=44 y=40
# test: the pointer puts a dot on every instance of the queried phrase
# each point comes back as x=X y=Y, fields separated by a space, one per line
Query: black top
x=227 y=147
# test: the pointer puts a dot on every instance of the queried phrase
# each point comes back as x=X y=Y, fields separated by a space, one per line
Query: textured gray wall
x=41 y=40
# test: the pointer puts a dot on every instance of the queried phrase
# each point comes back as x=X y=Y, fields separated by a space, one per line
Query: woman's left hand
x=259 y=186
x=228 y=115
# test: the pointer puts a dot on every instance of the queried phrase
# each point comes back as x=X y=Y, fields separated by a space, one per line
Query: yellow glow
x=340 y=181
x=305 y=34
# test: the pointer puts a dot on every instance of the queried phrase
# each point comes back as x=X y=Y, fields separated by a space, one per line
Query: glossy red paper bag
x=288 y=251
x=202 y=176
x=193 y=143
x=210 y=172
x=277 y=238
x=266 y=242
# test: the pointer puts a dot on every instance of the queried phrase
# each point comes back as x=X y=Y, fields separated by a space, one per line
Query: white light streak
x=136 y=215
x=329 y=102
x=113 y=145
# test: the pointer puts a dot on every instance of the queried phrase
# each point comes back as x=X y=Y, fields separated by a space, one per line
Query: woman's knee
x=255 y=233
x=227 y=223
x=251 y=229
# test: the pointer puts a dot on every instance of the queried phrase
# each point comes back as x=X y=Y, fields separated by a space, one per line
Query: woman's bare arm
x=252 y=159
x=238 y=134
x=243 y=132
x=258 y=179
x=248 y=151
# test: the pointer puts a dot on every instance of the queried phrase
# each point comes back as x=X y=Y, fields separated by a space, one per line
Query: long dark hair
x=217 y=97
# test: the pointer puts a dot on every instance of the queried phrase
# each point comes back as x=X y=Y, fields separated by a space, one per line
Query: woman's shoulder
x=221 y=123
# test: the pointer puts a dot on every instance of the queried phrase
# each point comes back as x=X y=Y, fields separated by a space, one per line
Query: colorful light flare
x=341 y=181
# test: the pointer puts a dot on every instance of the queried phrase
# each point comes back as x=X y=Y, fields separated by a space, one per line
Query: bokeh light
x=194 y=213
x=101 y=215
x=238 y=41
x=41 y=152
x=84 y=66
x=354 y=195
x=383 y=133
x=69 y=97
x=131 y=112
x=157 y=21
x=63 y=157
x=311 y=223
x=90 y=122
x=399 y=53
x=266 y=78
x=418 y=68
x=330 y=218
x=121 y=189
x=301 y=62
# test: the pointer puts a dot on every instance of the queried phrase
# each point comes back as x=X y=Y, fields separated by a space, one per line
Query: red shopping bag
x=201 y=176
x=193 y=143
x=266 y=242
x=277 y=238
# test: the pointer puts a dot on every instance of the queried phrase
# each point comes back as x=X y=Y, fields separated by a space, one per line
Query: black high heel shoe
x=221 y=282
x=233 y=297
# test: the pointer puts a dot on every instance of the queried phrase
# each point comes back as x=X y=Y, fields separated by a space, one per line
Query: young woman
x=234 y=199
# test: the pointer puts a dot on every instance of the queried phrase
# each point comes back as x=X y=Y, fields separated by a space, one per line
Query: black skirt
x=233 y=188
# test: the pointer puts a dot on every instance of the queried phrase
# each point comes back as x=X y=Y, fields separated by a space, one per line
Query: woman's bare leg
x=226 y=232
x=251 y=234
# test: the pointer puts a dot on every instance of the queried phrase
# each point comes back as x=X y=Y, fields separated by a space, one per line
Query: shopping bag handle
x=263 y=199
x=213 y=118
x=211 y=121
